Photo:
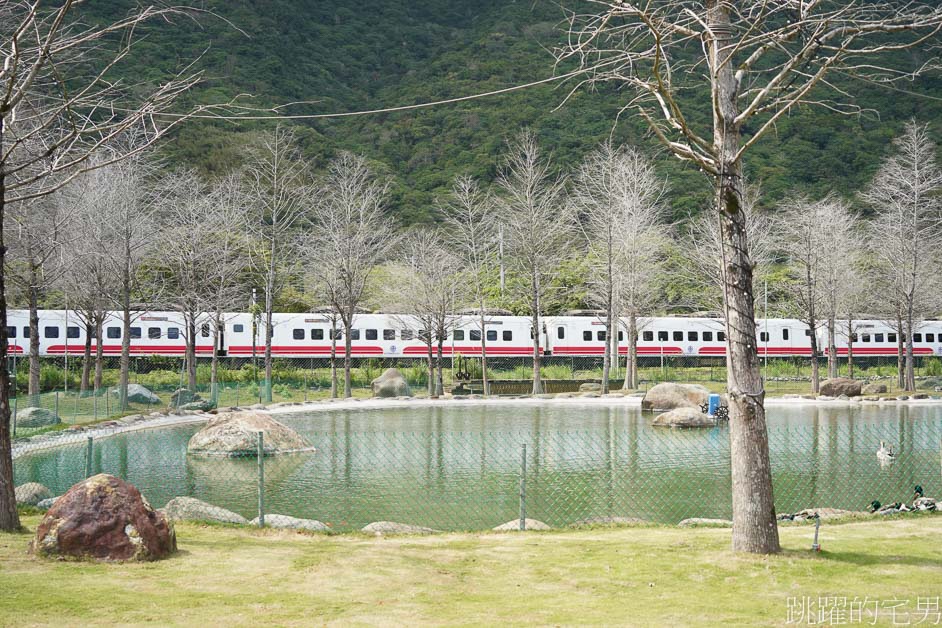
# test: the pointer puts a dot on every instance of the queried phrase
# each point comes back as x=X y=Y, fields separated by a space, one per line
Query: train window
x=317 y=334
x=372 y=334
x=491 y=335
x=917 y=337
x=647 y=336
x=721 y=336
x=708 y=336
x=336 y=334
x=135 y=332
x=508 y=335
x=26 y=332
x=679 y=336
x=784 y=334
x=204 y=330
x=173 y=333
x=475 y=334
x=51 y=332
x=930 y=337
x=297 y=334
x=458 y=334
x=853 y=337
x=153 y=333
x=238 y=328
x=406 y=334
x=561 y=332
x=808 y=332
x=692 y=336
x=878 y=337
x=11 y=332
x=587 y=335
x=763 y=336
x=661 y=336
x=621 y=336
x=354 y=334
x=892 y=338
x=389 y=334
x=423 y=335
x=865 y=338
x=72 y=332
x=600 y=336
x=114 y=332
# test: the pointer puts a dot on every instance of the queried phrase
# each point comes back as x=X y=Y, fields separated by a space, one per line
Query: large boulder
x=285 y=522
x=873 y=388
x=192 y=509
x=840 y=386
x=590 y=387
x=31 y=493
x=236 y=434
x=203 y=405
x=183 y=396
x=36 y=417
x=138 y=394
x=104 y=518
x=391 y=384
x=668 y=396
x=684 y=417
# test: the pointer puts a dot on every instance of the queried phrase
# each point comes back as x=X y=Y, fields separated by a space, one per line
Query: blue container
x=714 y=405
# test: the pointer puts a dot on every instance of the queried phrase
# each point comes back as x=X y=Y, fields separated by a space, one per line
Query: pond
x=459 y=466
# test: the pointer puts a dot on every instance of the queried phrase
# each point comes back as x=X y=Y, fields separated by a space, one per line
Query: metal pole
x=261 y=480
x=523 y=486
x=88 y=457
x=57 y=403
x=14 y=416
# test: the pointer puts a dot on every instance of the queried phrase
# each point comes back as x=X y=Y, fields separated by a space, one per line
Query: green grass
x=627 y=576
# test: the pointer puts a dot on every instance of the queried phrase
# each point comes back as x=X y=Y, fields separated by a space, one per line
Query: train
x=62 y=332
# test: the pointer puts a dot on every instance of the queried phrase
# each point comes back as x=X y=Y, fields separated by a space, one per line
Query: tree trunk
x=125 y=349
x=607 y=358
x=754 y=524
x=535 y=322
x=815 y=368
x=9 y=518
x=214 y=365
x=430 y=363
x=268 y=336
x=86 y=357
x=99 y=352
x=631 y=361
x=910 y=375
x=900 y=354
x=850 y=348
x=832 y=348
x=440 y=379
x=348 y=347
x=333 y=358
x=191 y=350
x=34 y=364
x=484 y=379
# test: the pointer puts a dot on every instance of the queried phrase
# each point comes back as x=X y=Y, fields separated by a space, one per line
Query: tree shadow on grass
x=860 y=559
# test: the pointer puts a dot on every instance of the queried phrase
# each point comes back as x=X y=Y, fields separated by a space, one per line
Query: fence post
x=261 y=479
x=237 y=395
x=57 y=403
x=89 y=445
x=523 y=486
x=14 y=416
x=95 y=404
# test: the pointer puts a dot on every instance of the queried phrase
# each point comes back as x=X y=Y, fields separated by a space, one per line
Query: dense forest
x=343 y=56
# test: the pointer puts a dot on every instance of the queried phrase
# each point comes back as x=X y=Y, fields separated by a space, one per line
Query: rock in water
x=236 y=434
x=391 y=384
x=104 y=518
x=31 y=493
x=36 y=417
x=684 y=417
x=668 y=396
x=840 y=386
x=192 y=509
x=139 y=394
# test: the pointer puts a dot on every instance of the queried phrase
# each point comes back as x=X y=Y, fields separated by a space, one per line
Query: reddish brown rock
x=104 y=518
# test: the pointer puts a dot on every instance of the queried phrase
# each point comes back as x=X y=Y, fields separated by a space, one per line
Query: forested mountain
x=341 y=55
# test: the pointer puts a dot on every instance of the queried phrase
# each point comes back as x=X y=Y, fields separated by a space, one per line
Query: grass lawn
x=636 y=576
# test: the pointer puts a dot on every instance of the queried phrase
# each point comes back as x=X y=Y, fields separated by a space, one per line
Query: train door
x=558 y=333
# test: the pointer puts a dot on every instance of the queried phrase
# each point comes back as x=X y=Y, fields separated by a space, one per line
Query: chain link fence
x=445 y=474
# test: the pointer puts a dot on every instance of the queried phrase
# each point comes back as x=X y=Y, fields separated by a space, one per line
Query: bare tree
x=619 y=201
x=759 y=60
x=472 y=234
x=908 y=227
x=354 y=235
x=535 y=217
x=278 y=181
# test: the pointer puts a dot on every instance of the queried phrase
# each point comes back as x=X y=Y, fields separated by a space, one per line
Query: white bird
x=885 y=454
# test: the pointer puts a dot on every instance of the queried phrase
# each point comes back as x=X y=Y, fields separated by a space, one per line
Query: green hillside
x=345 y=56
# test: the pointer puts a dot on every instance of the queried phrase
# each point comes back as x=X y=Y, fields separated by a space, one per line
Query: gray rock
x=873 y=388
x=391 y=384
x=700 y=521
x=841 y=386
x=31 y=493
x=514 y=525
x=668 y=396
x=236 y=434
x=192 y=509
x=590 y=387
x=684 y=417
x=36 y=417
x=47 y=503
x=183 y=396
x=920 y=396
x=292 y=523
x=903 y=398
x=871 y=398
x=138 y=394
x=203 y=405
x=607 y=521
x=381 y=528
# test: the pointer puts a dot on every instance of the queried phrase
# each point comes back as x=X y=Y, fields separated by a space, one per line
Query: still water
x=459 y=467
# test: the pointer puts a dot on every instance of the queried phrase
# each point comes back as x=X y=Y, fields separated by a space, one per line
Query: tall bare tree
x=471 y=232
x=55 y=114
x=758 y=60
x=277 y=178
x=534 y=211
x=908 y=227
x=354 y=235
